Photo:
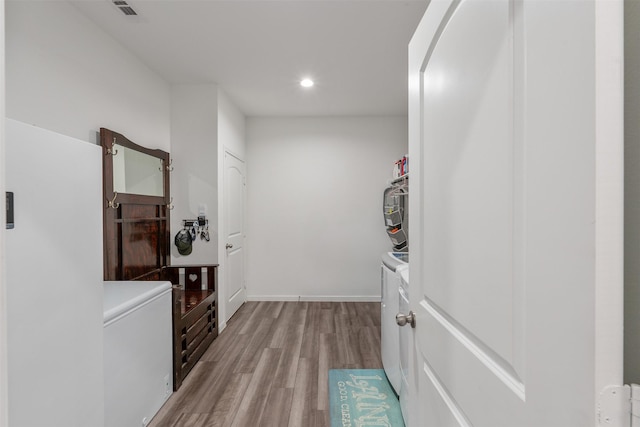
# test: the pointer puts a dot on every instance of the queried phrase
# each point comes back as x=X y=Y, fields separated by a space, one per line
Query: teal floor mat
x=360 y=397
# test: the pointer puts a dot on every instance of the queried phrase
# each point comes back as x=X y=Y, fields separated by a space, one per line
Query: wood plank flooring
x=270 y=365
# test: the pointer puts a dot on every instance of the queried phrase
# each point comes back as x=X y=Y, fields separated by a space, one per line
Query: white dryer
x=393 y=263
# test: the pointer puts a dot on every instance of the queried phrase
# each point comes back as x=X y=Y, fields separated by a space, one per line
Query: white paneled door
x=234 y=197
x=516 y=206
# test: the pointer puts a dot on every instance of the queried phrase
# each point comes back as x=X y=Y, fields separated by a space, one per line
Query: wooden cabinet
x=195 y=315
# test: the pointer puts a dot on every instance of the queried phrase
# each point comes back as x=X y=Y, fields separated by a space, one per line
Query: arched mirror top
x=130 y=169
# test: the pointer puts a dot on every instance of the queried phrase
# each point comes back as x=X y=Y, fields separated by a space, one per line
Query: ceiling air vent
x=124 y=7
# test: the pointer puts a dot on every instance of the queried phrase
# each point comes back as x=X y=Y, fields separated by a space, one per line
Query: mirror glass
x=136 y=173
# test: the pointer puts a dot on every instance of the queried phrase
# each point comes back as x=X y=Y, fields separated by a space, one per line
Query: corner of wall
x=194 y=180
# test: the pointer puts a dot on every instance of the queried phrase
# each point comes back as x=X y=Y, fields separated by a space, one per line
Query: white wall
x=632 y=193
x=231 y=126
x=4 y=420
x=54 y=280
x=75 y=84
x=64 y=74
x=194 y=180
x=314 y=205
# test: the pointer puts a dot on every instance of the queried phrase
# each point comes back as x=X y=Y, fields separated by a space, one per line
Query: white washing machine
x=393 y=263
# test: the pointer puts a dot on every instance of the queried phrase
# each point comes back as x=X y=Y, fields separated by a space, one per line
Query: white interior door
x=516 y=207
x=234 y=196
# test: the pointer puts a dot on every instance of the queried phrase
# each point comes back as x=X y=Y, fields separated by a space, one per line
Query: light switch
x=9 y=204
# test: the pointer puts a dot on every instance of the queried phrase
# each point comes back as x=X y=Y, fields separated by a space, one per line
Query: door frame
x=609 y=275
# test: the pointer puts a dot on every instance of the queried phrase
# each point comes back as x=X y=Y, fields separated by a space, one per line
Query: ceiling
x=257 y=51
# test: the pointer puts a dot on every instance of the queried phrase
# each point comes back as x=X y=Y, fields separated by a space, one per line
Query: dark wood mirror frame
x=136 y=227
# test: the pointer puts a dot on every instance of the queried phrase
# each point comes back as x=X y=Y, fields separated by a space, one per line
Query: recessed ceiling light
x=306 y=82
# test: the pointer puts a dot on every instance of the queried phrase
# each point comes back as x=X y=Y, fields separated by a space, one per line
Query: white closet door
x=516 y=207
x=234 y=198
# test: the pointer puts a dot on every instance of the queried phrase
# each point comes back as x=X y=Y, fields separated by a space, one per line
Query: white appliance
x=138 y=351
x=403 y=297
x=393 y=263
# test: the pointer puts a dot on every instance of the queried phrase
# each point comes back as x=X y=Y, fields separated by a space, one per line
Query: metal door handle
x=229 y=246
x=403 y=319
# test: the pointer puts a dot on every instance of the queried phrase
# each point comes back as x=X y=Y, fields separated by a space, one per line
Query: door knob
x=228 y=246
x=403 y=319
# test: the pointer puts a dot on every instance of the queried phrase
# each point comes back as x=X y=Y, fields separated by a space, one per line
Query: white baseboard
x=314 y=298
x=221 y=326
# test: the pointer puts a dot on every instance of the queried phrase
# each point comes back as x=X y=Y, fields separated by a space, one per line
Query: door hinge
x=619 y=406
x=635 y=405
